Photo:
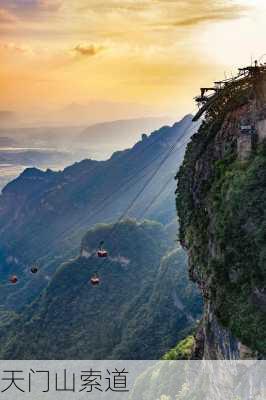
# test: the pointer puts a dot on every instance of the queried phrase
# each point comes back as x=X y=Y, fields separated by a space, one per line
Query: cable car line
x=123 y=215
x=102 y=206
x=150 y=178
x=94 y=212
x=120 y=187
x=159 y=194
x=105 y=203
x=34 y=269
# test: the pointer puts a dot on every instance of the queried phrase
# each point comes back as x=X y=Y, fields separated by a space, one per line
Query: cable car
x=95 y=280
x=102 y=253
x=13 y=279
x=34 y=269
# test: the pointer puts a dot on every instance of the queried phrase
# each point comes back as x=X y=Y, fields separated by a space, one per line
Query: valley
x=56 y=220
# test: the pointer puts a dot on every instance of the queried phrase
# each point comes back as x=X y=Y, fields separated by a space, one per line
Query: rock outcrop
x=221 y=199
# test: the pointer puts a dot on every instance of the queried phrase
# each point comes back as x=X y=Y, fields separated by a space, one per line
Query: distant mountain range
x=44 y=215
x=77 y=114
x=144 y=302
x=56 y=220
x=120 y=134
x=96 y=141
x=96 y=111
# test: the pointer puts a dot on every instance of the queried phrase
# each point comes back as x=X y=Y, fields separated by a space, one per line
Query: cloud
x=6 y=17
x=26 y=6
x=197 y=20
x=49 y=5
x=115 y=5
x=14 y=48
x=160 y=7
x=194 y=13
x=87 y=50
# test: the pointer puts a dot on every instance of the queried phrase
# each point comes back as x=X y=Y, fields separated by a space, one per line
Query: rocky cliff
x=221 y=199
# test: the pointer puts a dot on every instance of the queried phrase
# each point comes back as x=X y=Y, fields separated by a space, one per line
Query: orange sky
x=153 y=52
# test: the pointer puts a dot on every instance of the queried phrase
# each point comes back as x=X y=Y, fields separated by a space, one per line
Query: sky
x=148 y=54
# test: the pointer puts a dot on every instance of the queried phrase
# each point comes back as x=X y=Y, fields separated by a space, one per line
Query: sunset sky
x=151 y=52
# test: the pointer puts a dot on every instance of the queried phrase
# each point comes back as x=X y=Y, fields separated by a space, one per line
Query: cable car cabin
x=34 y=269
x=95 y=280
x=102 y=253
x=13 y=279
x=247 y=129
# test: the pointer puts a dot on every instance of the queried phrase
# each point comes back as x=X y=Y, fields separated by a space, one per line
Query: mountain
x=142 y=305
x=44 y=215
x=43 y=147
x=221 y=201
x=96 y=111
x=107 y=136
x=13 y=160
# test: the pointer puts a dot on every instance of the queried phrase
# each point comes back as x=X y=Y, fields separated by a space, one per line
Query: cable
x=159 y=194
x=263 y=55
x=108 y=198
x=94 y=211
x=172 y=147
x=147 y=182
x=170 y=151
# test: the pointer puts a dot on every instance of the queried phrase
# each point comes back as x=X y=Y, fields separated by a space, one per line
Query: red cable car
x=102 y=253
x=13 y=279
x=95 y=280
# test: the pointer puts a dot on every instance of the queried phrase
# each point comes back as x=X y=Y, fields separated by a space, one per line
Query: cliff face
x=221 y=199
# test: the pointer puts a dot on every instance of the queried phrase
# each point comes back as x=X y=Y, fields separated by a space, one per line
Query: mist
x=56 y=139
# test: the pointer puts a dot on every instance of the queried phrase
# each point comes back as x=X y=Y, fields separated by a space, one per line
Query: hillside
x=106 y=137
x=14 y=160
x=44 y=215
x=221 y=202
x=142 y=306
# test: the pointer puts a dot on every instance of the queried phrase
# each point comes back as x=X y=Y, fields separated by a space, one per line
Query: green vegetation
x=239 y=200
x=144 y=303
x=44 y=214
x=221 y=203
x=182 y=351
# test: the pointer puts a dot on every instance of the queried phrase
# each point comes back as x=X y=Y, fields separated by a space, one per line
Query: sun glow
x=154 y=53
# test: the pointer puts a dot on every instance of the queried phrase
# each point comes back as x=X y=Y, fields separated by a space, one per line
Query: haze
x=61 y=57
